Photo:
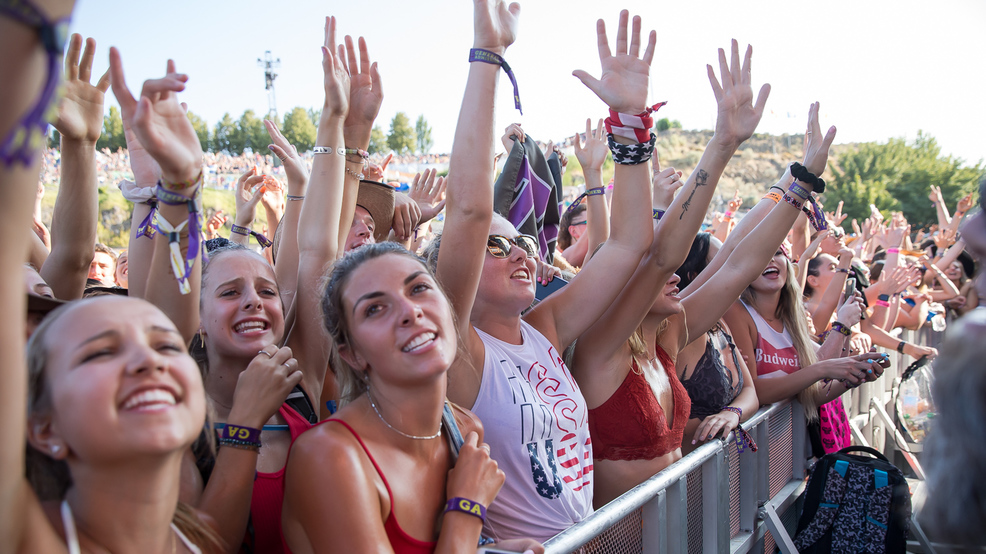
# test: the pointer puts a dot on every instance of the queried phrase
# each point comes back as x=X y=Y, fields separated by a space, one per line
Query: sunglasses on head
x=499 y=245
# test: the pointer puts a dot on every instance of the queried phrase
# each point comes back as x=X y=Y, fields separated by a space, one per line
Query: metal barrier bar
x=663 y=498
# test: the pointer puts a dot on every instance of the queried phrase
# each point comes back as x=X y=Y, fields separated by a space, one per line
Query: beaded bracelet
x=464 y=505
x=735 y=410
x=358 y=152
x=359 y=176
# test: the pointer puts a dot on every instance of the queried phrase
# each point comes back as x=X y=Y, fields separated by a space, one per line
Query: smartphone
x=850 y=289
x=543 y=291
x=494 y=550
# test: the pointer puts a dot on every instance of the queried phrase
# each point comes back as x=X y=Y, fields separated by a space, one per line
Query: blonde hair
x=791 y=313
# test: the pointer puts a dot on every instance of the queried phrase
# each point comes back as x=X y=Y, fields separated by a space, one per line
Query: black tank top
x=710 y=384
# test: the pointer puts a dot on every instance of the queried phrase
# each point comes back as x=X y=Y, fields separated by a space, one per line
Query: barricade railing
x=709 y=501
x=715 y=499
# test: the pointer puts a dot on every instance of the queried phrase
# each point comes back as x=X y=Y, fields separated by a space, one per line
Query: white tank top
x=72 y=536
x=536 y=423
x=775 y=351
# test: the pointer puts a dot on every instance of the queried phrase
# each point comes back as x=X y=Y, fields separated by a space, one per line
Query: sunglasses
x=499 y=245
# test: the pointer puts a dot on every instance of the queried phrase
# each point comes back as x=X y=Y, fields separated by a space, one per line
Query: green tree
x=201 y=129
x=897 y=176
x=112 y=136
x=299 y=129
x=401 y=138
x=224 y=132
x=249 y=133
x=422 y=132
x=378 y=140
x=664 y=124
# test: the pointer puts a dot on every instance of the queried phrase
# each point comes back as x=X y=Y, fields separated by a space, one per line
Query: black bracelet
x=884 y=297
x=900 y=347
x=802 y=174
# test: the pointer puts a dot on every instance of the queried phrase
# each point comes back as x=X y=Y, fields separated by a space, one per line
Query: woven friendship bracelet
x=632 y=154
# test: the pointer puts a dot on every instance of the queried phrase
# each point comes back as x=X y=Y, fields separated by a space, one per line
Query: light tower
x=269 y=64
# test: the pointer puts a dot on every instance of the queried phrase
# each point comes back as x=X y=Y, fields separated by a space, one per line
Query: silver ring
x=268 y=354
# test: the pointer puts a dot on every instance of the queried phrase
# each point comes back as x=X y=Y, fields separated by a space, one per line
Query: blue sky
x=880 y=69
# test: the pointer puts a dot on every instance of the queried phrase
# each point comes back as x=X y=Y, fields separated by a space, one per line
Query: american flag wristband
x=632 y=154
x=632 y=126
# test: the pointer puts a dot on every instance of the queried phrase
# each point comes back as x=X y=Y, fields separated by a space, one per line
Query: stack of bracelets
x=633 y=127
x=800 y=197
x=167 y=193
x=237 y=436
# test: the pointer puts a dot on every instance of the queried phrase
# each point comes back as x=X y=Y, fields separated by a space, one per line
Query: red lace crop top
x=631 y=425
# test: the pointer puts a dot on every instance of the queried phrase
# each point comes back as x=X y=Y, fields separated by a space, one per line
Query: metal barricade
x=709 y=501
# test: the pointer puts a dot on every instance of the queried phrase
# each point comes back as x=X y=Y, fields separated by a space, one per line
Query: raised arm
x=318 y=226
x=565 y=315
x=591 y=158
x=247 y=195
x=737 y=119
x=164 y=130
x=286 y=261
x=23 y=526
x=365 y=98
x=469 y=207
x=73 y=224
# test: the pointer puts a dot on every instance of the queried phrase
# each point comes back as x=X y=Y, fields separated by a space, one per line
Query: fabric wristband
x=884 y=297
x=773 y=196
x=841 y=329
x=799 y=191
x=485 y=56
x=459 y=504
x=595 y=191
x=793 y=201
x=635 y=127
x=658 y=214
x=893 y=250
x=239 y=433
x=182 y=266
x=246 y=231
x=632 y=154
x=882 y=303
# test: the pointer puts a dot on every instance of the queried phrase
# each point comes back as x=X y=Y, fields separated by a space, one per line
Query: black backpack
x=855 y=504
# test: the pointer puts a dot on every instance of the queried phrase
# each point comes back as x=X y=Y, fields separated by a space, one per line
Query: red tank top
x=268 y=494
x=631 y=425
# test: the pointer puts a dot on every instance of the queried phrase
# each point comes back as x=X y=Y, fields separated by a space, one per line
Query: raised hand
x=248 y=194
x=816 y=146
x=665 y=182
x=735 y=203
x=838 y=217
x=510 y=134
x=591 y=155
x=273 y=198
x=935 y=195
x=738 y=117
x=965 y=204
x=80 y=110
x=159 y=121
x=335 y=80
x=365 y=92
x=215 y=223
x=429 y=193
x=376 y=172
x=624 y=81
x=494 y=24
x=944 y=239
x=295 y=167
x=407 y=216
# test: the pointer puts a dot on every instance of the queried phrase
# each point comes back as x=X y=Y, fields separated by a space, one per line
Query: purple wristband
x=735 y=410
x=485 y=56
x=459 y=504
x=240 y=433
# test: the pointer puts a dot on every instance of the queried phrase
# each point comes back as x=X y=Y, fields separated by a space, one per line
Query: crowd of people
x=353 y=378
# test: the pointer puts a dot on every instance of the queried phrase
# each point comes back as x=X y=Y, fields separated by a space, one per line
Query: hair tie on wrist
x=464 y=505
x=801 y=173
x=485 y=56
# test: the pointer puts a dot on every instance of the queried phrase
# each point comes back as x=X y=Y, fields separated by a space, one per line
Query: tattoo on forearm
x=701 y=179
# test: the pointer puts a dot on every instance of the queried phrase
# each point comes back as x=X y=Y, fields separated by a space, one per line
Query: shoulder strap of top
x=184 y=540
x=368 y=455
x=455 y=439
x=71 y=535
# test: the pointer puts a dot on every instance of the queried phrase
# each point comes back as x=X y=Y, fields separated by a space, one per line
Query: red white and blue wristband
x=635 y=127
x=464 y=505
x=485 y=56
